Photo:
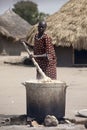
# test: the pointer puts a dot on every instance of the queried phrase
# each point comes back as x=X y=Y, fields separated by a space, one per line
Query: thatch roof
x=68 y=26
x=13 y=26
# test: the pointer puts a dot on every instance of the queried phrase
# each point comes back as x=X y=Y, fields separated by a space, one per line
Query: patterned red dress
x=47 y=64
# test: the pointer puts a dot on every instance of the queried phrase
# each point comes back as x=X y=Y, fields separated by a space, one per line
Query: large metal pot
x=43 y=98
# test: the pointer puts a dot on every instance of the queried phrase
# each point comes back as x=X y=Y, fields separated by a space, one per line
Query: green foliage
x=42 y=16
x=28 y=10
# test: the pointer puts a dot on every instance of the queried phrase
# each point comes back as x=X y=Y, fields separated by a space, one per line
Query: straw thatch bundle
x=13 y=26
x=68 y=26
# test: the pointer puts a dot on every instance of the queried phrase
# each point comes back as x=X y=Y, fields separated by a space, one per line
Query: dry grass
x=13 y=26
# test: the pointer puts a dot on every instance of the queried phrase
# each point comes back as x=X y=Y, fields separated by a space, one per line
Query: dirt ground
x=13 y=93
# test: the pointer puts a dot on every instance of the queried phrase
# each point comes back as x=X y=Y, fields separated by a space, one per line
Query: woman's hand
x=31 y=56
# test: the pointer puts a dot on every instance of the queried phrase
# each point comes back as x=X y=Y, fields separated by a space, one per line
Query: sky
x=46 y=6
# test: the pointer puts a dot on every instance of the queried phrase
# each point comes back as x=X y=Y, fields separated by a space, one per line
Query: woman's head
x=42 y=26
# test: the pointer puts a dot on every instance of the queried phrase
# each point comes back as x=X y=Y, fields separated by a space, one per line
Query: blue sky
x=46 y=6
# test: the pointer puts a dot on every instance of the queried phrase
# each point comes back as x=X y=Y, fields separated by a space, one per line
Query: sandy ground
x=13 y=93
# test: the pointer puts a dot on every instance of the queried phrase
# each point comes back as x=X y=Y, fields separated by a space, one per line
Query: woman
x=44 y=52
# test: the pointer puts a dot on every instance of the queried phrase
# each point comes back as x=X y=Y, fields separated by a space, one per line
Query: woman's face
x=41 y=27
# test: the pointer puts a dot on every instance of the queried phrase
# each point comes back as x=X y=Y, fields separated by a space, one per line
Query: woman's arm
x=43 y=55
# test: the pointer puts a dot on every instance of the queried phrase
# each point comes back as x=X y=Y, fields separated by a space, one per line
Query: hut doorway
x=80 y=57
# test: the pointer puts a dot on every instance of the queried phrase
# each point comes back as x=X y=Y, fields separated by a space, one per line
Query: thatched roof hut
x=12 y=29
x=68 y=26
x=12 y=26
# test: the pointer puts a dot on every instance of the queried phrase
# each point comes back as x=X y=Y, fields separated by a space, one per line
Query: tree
x=42 y=16
x=27 y=10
